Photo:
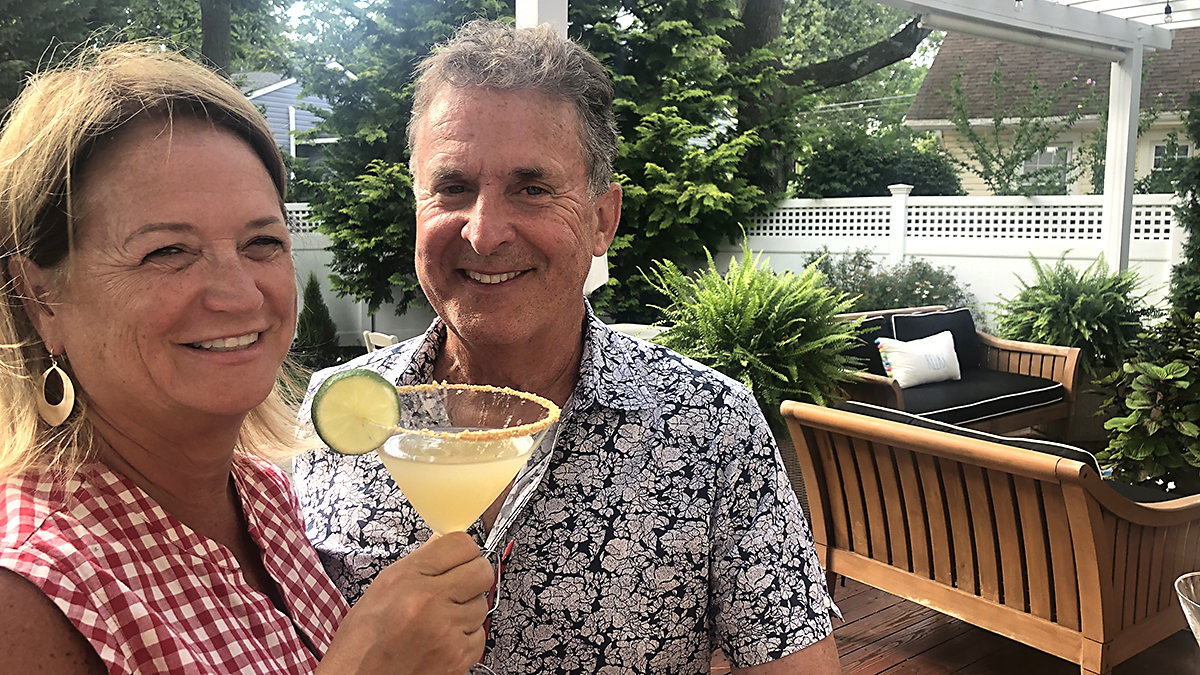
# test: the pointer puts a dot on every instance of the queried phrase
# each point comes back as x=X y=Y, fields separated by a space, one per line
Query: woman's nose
x=232 y=286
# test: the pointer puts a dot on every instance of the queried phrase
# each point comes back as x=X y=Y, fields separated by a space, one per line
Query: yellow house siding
x=955 y=143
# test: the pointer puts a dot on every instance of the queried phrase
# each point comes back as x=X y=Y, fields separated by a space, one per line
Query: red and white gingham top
x=151 y=595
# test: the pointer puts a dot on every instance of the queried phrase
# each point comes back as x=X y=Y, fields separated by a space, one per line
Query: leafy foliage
x=1154 y=431
x=684 y=147
x=998 y=154
x=816 y=30
x=256 y=29
x=850 y=162
x=368 y=220
x=40 y=34
x=1094 y=153
x=1185 y=277
x=36 y=35
x=1098 y=312
x=316 y=344
x=871 y=285
x=775 y=333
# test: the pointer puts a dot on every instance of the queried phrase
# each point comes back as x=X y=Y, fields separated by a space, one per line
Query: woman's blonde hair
x=54 y=127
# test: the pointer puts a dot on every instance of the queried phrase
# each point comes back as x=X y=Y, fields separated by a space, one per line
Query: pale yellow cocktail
x=457 y=447
x=450 y=481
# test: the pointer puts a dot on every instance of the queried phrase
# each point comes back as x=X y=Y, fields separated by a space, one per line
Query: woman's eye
x=163 y=254
x=261 y=247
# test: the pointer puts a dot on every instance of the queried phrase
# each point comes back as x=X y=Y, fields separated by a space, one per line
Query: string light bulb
x=1167 y=18
x=1019 y=6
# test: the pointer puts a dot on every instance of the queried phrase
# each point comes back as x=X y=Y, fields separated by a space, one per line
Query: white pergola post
x=1124 y=97
x=532 y=13
x=554 y=12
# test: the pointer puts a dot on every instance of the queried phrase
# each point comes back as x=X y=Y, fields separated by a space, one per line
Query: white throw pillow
x=930 y=359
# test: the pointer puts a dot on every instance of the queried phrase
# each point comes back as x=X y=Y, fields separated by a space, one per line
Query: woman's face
x=180 y=299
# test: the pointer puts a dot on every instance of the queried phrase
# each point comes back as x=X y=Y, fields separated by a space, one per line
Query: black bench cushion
x=981 y=395
x=1037 y=445
x=914 y=326
x=1136 y=493
x=865 y=348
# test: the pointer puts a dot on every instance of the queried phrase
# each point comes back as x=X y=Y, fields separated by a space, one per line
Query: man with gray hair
x=655 y=521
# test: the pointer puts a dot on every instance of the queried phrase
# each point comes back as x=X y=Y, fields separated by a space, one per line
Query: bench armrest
x=877 y=389
x=1052 y=362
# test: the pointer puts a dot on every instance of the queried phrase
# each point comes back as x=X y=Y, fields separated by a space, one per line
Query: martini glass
x=1188 y=587
x=458 y=446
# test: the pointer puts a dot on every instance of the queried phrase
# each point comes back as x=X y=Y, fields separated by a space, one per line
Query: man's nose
x=489 y=223
x=232 y=286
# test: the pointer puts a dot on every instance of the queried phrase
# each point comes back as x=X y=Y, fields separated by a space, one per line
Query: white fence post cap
x=901 y=189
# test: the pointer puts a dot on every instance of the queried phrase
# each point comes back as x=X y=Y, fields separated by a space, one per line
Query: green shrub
x=369 y=222
x=775 y=333
x=912 y=282
x=316 y=344
x=1153 y=432
x=1098 y=312
x=849 y=162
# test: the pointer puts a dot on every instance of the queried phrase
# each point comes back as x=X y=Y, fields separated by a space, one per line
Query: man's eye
x=453 y=189
x=533 y=190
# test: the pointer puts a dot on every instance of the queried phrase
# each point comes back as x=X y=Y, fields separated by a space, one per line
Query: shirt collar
x=614 y=371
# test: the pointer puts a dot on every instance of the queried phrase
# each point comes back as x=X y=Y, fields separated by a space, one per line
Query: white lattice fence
x=986 y=240
x=299 y=217
x=840 y=220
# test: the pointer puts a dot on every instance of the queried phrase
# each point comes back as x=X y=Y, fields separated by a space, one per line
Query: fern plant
x=1098 y=312
x=775 y=333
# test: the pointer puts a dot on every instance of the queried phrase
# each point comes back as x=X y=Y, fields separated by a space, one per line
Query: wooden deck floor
x=884 y=634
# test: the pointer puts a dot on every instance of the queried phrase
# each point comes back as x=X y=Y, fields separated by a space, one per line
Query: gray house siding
x=276 y=105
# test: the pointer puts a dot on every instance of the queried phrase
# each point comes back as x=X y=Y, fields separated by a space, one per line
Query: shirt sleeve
x=769 y=597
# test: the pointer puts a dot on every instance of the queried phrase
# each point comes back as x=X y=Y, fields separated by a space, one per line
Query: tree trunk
x=762 y=23
x=216 y=28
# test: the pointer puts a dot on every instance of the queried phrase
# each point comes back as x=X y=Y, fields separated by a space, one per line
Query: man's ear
x=608 y=216
x=31 y=284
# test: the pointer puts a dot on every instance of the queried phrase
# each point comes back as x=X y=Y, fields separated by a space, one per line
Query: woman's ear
x=32 y=285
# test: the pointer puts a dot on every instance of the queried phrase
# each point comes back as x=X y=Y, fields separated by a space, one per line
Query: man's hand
x=819 y=658
x=424 y=614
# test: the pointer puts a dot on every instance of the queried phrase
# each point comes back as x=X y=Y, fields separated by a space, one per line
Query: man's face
x=506 y=229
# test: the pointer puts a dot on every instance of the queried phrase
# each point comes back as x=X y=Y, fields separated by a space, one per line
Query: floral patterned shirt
x=654 y=523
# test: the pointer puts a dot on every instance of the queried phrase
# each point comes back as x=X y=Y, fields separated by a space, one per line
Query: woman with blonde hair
x=149 y=301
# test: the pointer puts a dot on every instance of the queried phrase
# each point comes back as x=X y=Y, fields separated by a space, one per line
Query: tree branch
x=834 y=72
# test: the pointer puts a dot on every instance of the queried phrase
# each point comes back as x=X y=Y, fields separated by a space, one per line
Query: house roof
x=251 y=81
x=1172 y=72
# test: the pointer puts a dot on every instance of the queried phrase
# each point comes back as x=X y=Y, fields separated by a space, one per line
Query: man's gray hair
x=497 y=55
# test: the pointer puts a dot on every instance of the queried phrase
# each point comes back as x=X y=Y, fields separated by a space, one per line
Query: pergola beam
x=1051 y=19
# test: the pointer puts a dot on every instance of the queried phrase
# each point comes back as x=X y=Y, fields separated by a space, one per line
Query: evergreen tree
x=316 y=334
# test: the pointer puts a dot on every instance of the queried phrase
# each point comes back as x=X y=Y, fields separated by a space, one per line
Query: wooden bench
x=1029 y=545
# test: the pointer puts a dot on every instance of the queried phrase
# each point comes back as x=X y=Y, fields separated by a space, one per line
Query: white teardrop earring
x=56 y=413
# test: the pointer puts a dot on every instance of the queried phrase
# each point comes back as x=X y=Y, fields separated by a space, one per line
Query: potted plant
x=776 y=333
x=1155 y=426
x=1099 y=312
